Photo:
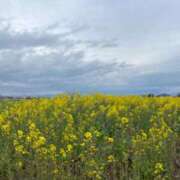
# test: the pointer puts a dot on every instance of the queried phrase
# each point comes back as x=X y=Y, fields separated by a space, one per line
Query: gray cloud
x=43 y=61
x=160 y=78
x=54 y=72
x=17 y=40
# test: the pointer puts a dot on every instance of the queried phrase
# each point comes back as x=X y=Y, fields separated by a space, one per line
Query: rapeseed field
x=90 y=137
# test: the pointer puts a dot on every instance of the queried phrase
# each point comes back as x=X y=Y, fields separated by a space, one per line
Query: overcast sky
x=111 y=46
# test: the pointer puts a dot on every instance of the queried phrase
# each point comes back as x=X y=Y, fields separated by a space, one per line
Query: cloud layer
x=43 y=62
x=111 y=47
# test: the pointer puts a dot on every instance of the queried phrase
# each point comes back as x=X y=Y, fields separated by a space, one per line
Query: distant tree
x=150 y=95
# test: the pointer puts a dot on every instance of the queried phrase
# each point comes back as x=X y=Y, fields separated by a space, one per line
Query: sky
x=110 y=46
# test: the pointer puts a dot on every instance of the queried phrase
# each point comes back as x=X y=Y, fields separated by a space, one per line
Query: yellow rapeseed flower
x=110 y=140
x=32 y=126
x=124 y=121
x=69 y=148
x=110 y=158
x=41 y=140
x=62 y=153
x=20 y=149
x=20 y=134
x=52 y=148
x=88 y=135
x=159 y=168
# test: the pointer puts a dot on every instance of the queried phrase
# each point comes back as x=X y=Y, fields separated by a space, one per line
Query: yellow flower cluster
x=159 y=168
